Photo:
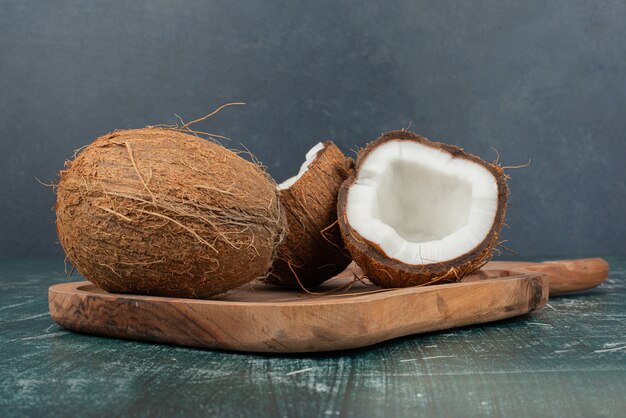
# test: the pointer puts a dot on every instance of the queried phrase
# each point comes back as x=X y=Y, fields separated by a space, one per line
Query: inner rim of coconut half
x=311 y=155
x=421 y=205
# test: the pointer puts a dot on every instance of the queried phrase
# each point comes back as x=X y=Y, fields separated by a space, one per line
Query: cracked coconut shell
x=313 y=250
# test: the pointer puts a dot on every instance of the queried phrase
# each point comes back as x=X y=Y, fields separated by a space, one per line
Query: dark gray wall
x=544 y=80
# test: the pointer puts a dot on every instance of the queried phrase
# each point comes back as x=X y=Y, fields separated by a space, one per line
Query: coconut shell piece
x=159 y=212
x=313 y=250
x=389 y=272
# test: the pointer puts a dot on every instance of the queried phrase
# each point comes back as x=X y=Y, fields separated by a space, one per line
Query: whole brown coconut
x=418 y=212
x=159 y=212
x=313 y=250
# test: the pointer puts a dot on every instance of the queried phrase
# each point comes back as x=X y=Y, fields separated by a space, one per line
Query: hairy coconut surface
x=417 y=212
x=312 y=250
x=160 y=212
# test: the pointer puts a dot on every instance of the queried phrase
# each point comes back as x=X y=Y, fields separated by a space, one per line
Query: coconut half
x=312 y=250
x=418 y=212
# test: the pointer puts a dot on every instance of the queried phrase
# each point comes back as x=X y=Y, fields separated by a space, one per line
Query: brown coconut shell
x=159 y=212
x=313 y=250
x=389 y=272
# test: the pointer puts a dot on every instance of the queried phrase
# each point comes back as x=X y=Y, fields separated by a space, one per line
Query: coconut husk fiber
x=389 y=272
x=313 y=250
x=157 y=211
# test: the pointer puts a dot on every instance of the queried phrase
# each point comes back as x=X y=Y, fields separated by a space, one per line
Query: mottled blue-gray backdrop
x=544 y=80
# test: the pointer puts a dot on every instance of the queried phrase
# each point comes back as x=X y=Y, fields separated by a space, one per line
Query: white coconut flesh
x=419 y=204
x=310 y=157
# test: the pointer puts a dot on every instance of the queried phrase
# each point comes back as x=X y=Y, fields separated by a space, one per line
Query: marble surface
x=569 y=359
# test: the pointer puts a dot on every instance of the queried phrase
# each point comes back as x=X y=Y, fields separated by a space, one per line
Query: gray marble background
x=540 y=80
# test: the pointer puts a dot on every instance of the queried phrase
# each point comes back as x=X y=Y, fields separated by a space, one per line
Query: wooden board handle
x=565 y=276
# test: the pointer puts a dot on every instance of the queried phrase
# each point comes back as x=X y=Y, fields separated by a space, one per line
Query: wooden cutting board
x=566 y=276
x=263 y=318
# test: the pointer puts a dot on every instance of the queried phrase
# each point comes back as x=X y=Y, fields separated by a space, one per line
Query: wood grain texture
x=566 y=360
x=565 y=276
x=266 y=319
